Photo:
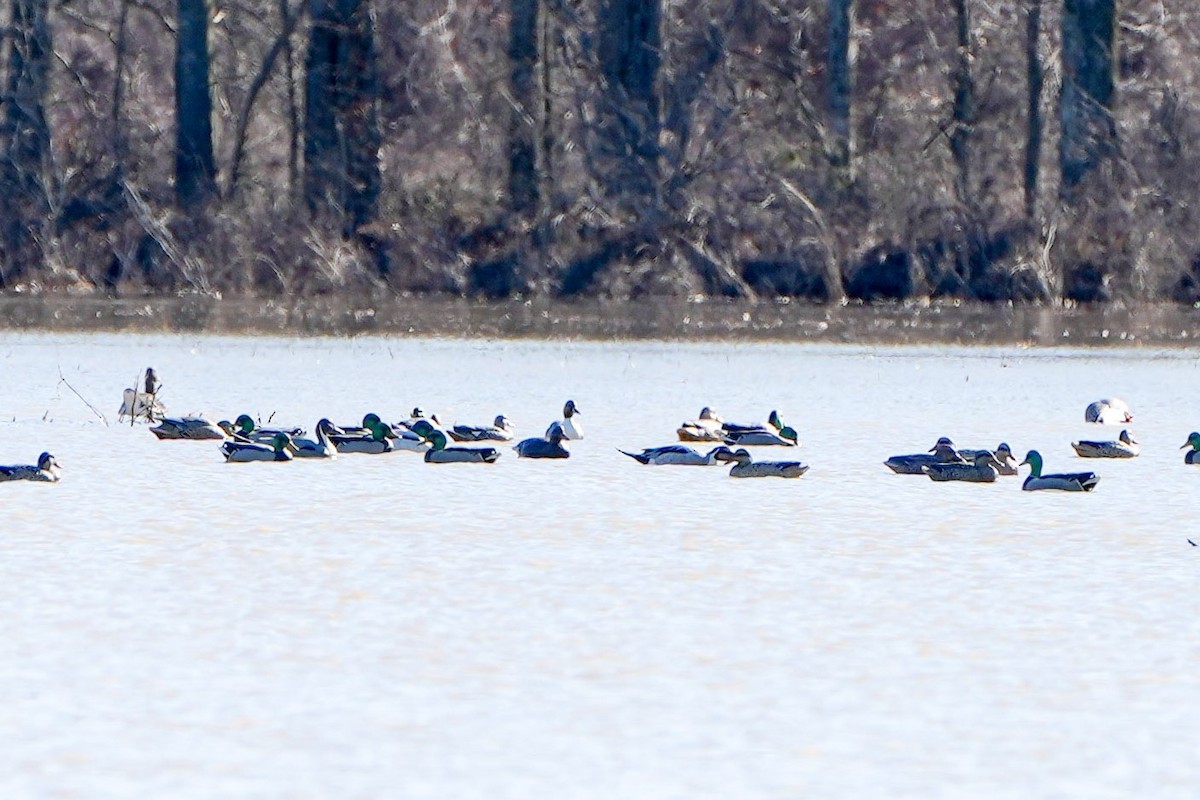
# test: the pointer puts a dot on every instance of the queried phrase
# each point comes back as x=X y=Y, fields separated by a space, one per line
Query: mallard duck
x=1192 y=456
x=706 y=428
x=501 y=430
x=680 y=455
x=774 y=433
x=746 y=467
x=240 y=451
x=245 y=428
x=1124 y=447
x=399 y=436
x=982 y=469
x=1066 y=482
x=941 y=453
x=379 y=439
x=550 y=446
x=572 y=428
x=1108 y=411
x=187 y=428
x=1006 y=463
x=47 y=470
x=439 y=453
x=321 y=447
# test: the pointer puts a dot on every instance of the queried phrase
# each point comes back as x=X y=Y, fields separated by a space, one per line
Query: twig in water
x=62 y=379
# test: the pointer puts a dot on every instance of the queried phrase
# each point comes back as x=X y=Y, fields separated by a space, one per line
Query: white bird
x=47 y=470
x=1124 y=447
x=572 y=428
x=681 y=455
x=1108 y=411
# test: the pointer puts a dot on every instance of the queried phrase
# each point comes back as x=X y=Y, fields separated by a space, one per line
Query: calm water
x=174 y=626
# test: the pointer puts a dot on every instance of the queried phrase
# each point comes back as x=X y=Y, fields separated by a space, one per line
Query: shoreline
x=667 y=319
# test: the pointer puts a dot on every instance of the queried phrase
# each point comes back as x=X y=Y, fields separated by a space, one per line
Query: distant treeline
x=870 y=149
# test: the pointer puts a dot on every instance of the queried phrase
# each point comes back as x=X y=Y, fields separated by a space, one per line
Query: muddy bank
x=660 y=319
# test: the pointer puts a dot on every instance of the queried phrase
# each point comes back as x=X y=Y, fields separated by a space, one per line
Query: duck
x=776 y=433
x=981 y=469
x=1108 y=411
x=188 y=428
x=321 y=447
x=241 y=451
x=549 y=446
x=1124 y=447
x=399 y=436
x=746 y=467
x=678 y=454
x=245 y=428
x=1192 y=456
x=572 y=428
x=705 y=428
x=439 y=453
x=1067 y=482
x=501 y=430
x=941 y=453
x=378 y=440
x=47 y=470
x=734 y=427
x=1006 y=462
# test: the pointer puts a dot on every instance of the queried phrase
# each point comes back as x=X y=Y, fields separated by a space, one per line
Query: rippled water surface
x=174 y=626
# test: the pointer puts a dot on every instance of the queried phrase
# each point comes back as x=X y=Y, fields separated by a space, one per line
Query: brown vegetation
x=1037 y=150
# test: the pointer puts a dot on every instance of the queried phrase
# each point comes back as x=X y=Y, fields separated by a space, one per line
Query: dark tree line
x=824 y=149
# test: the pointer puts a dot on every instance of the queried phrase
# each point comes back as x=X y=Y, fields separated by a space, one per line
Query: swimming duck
x=681 y=455
x=378 y=440
x=47 y=470
x=775 y=434
x=439 y=453
x=1192 y=456
x=941 y=453
x=572 y=428
x=244 y=427
x=321 y=447
x=1006 y=463
x=982 y=469
x=1067 y=482
x=501 y=430
x=1125 y=447
x=399 y=436
x=187 y=428
x=1108 y=411
x=706 y=428
x=773 y=424
x=550 y=446
x=746 y=467
x=240 y=451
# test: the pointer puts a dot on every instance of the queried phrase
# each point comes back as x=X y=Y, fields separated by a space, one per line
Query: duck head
x=722 y=453
x=1193 y=441
x=244 y=424
x=1127 y=438
x=707 y=413
x=46 y=463
x=502 y=422
x=570 y=410
x=436 y=439
x=1034 y=459
x=424 y=428
x=556 y=434
x=742 y=456
x=281 y=441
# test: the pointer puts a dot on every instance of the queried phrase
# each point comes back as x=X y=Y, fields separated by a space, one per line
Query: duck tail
x=641 y=459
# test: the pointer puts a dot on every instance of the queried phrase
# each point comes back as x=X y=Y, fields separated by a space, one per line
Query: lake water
x=174 y=626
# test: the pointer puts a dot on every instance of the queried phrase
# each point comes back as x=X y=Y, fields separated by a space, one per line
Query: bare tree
x=840 y=89
x=1086 y=105
x=195 y=167
x=341 y=127
x=26 y=136
x=1034 y=78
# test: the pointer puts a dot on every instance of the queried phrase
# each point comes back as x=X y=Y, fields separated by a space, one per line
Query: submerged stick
x=62 y=379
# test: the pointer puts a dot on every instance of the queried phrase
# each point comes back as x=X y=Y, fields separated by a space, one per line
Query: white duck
x=572 y=429
x=680 y=455
x=1108 y=411
x=706 y=428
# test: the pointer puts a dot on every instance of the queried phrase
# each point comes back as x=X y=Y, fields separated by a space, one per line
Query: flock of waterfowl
x=245 y=440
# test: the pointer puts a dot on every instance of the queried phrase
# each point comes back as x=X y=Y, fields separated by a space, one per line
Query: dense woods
x=1036 y=150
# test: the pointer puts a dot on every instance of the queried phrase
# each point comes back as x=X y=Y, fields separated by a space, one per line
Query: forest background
x=991 y=150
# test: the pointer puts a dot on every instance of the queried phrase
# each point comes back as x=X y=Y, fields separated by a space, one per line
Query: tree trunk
x=630 y=45
x=195 y=167
x=25 y=167
x=1088 y=89
x=341 y=127
x=1033 y=122
x=840 y=90
x=524 y=125
x=964 y=104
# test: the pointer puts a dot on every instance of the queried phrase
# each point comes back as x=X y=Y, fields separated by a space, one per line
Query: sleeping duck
x=1108 y=411
x=678 y=454
x=776 y=433
x=187 y=428
x=982 y=469
x=705 y=428
x=236 y=450
x=941 y=453
x=501 y=430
